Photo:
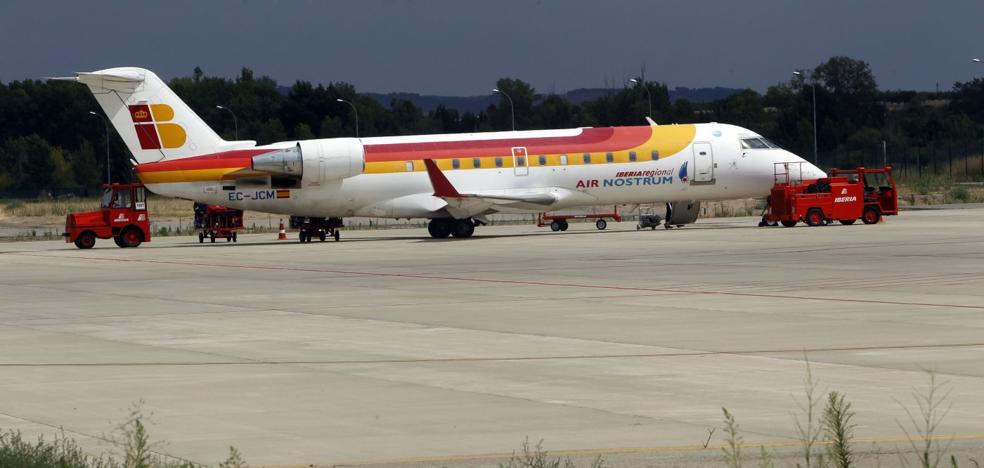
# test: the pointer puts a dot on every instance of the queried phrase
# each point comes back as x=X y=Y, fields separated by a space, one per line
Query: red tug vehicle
x=845 y=196
x=122 y=216
x=215 y=221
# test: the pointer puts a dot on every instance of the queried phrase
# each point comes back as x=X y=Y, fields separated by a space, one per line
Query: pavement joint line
x=496 y=359
x=631 y=450
x=521 y=282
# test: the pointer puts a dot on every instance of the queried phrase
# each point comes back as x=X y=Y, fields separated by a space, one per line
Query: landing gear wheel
x=322 y=235
x=555 y=226
x=440 y=228
x=86 y=240
x=787 y=223
x=463 y=228
x=601 y=224
x=201 y=238
x=814 y=217
x=131 y=237
x=847 y=221
x=337 y=235
x=871 y=215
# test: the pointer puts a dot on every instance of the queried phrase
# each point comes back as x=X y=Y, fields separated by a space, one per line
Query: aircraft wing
x=466 y=204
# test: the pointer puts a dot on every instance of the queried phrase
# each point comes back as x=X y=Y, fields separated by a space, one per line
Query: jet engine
x=314 y=161
x=682 y=212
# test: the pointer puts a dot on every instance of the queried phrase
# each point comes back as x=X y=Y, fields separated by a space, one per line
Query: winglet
x=442 y=187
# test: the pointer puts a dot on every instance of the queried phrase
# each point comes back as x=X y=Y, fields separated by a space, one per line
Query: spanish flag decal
x=283 y=194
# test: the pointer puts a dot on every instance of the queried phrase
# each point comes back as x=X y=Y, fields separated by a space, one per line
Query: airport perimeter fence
x=960 y=161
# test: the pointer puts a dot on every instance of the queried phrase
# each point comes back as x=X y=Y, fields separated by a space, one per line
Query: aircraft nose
x=813 y=172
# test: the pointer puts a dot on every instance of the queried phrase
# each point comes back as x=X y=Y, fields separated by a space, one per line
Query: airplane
x=454 y=180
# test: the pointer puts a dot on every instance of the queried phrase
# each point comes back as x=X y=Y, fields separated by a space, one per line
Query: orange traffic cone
x=283 y=232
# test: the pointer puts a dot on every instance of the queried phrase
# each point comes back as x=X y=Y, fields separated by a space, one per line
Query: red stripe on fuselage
x=590 y=140
x=226 y=159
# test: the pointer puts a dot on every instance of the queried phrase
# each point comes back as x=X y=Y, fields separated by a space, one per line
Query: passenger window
x=498 y=162
x=455 y=164
x=563 y=160
x=609 y=157
x=477 y=162
x=655 y=155
x=632 y=156
x=409 y=166
x=587 y=158
x=543 y=160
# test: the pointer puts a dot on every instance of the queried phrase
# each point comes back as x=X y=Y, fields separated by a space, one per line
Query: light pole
x=356 y=110
x=814 y=88
x=649 y=96
x=105 y=122
x=512 y=108
x=235 y=121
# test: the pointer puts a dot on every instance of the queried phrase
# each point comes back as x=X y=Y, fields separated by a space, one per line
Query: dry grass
x=41 y=208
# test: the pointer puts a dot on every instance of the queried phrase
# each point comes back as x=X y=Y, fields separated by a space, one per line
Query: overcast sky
x=460 y=47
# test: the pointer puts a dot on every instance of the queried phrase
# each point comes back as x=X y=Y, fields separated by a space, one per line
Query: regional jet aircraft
x=455 y=180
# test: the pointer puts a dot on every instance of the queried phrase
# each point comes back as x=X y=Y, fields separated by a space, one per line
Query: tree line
x=50 y=143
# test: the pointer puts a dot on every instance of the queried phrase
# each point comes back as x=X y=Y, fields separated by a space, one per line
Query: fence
x=960 y=161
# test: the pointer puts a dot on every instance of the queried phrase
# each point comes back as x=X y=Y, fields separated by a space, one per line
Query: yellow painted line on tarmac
x=624 y=450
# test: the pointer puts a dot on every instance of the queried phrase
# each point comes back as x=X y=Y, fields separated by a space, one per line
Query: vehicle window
x=122 y=199
x=477 y=162
x=655 y=155
x=140 y=198
x=632 y=156
x=543 y=160
x=455 y=164
x=609 y=157
x=106 y=198
x=587 y=158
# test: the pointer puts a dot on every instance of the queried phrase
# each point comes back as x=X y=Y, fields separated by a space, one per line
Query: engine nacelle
x=314 y=161
x=682 y=212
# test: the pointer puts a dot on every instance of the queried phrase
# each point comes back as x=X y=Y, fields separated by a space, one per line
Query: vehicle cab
x=122 y=216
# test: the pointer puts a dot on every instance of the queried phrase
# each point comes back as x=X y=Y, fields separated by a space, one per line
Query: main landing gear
x=444 y=227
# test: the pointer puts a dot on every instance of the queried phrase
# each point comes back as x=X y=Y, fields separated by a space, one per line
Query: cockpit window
x=757 y=143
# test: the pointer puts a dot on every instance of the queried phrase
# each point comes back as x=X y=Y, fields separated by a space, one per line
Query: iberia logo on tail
x=154 y=130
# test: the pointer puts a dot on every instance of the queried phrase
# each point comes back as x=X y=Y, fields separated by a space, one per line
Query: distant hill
x=577 y=96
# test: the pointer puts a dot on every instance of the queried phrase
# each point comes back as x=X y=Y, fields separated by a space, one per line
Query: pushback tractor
x=845 y=196
x=122 y=216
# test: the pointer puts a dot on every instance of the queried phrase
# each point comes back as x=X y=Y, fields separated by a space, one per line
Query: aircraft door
x=703 y=164
x=521 y=161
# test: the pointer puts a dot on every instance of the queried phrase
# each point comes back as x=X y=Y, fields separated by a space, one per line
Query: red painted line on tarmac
x=526 y=282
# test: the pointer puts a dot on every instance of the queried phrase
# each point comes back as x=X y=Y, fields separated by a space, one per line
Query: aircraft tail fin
x=153 y=121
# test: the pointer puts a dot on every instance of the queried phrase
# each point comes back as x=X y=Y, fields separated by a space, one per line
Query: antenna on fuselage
x=652 y=123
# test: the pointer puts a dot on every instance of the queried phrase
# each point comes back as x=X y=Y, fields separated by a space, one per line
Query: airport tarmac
x=390 y=347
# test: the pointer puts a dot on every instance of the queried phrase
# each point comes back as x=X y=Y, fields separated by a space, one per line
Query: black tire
x=337 y=235
x=300 y=235
x=564 y=225
x=555 y=225
x=847 y=222
x=131 y=237
x=201 y=238
x=234 y=237
x=601 y=224
x=462 y=228
x=871 y=215
x=86 y=240
x=322 y=235
x=212 y=237
x=788 y=223
x=814 y=217
x=439 y=228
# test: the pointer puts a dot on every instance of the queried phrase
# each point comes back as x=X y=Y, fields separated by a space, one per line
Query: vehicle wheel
x=653 y=227
x=212 y=237
x=86 y=240
x=564 y=225
x=601 y=224
x=300 y=235
x=763 y=223
x=131 y=237
x=847 y=221
x=787 y=223
x=201 y=238
x=439 y=228
x=463 y=228
x=322 y=235
x=555 y=226
x=234 y=237
x=338 y=235
x=814 y=217
x=871 y=215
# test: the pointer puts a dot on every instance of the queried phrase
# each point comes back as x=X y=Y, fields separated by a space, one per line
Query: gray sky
x=460 y=47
